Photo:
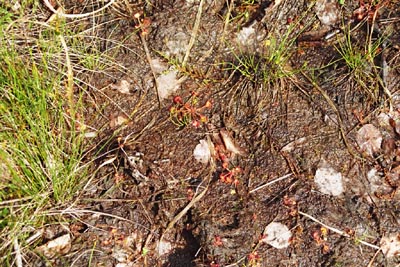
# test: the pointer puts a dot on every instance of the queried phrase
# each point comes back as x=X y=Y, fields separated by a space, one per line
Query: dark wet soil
x=145 y=170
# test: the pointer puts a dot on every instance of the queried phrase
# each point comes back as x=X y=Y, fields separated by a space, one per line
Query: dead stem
x=81 y=211
x=271 y=183
x=337 y=230
x=194 y=33
x=383 y=80
x=227 y=18
x=70 y=79
x=60 y=12
x=184 y=211
x=18 y=256
x=148 y=57
x=373 y=258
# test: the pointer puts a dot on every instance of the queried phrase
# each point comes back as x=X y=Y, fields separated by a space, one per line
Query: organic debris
x=230 y=144
x=202 y=152
x=390 y=245
x=59 y=246
x=277 y=235
x=327 y=12
x=118 y=120
x=369 y=139
x=123 y=86
x=329 y=181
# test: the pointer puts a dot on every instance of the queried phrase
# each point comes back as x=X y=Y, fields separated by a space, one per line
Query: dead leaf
x=202 y=152
x=230 y=144
x=117 y=120
x=277 y=235
x=369 y=138
x=59 y=246
x=292 y=145
x=122 y=86
x=390 y=245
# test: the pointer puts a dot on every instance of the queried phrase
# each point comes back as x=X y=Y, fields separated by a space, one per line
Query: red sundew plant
x=369 y=10
x=188 y=113
x=320 y=237
x=229 y=176
x=142 y=23
x=254 y=259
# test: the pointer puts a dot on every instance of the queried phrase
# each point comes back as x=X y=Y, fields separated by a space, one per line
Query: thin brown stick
x=81 y=211
x=148 y=57
x=373 y=258
x=184 y=211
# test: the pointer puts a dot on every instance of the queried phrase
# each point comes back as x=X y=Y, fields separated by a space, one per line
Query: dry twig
x=60 y=13
x=270 y=183
x=184 y=211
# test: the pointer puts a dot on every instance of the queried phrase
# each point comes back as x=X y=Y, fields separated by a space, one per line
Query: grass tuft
x=41 y=135
x=362 y=63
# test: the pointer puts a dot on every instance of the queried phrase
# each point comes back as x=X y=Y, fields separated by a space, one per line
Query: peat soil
x=149 y=202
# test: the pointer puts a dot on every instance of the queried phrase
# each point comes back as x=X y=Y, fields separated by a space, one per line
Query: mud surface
x=289 y=113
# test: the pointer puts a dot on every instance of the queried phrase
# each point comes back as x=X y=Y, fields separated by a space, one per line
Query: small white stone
x=329 y=181
x=158 y=65
x=120 y=254
x=60 y=245
x=177 y=45
x=327 y=11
